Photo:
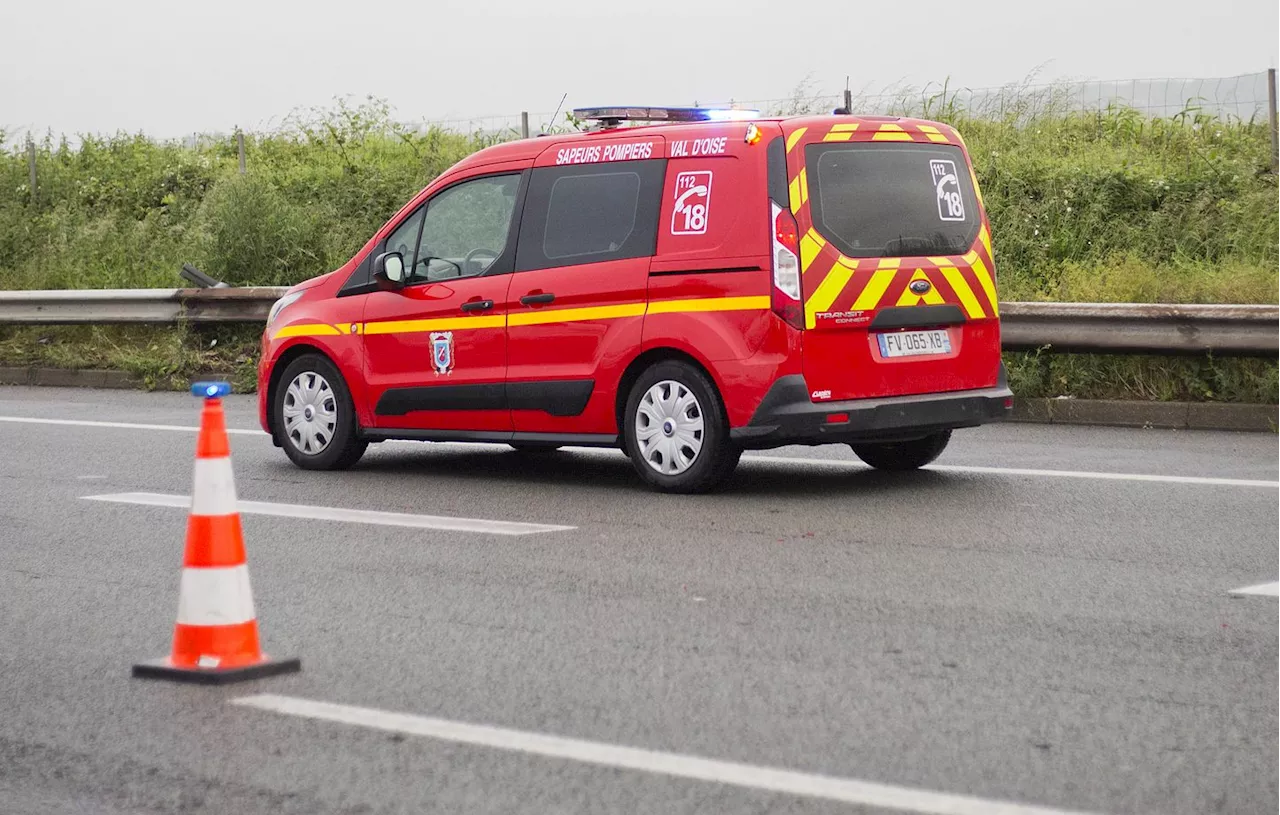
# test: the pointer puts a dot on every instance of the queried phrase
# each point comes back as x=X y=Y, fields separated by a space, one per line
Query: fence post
x=524 y=124
x=848 y=100
x=31 y=166
x=240 y=148
x=1275 y=125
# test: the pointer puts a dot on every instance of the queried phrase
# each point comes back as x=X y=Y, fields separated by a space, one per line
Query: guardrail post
x=1272 y=120
x=31 y=168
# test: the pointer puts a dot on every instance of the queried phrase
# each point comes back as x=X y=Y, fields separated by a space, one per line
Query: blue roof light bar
x=621 y=113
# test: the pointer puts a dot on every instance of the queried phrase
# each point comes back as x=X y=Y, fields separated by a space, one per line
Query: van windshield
x=892 y=200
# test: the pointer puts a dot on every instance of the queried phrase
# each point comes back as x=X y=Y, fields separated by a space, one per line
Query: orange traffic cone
x=215 y=640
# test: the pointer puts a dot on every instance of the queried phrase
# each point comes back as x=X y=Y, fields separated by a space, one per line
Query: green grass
x=1090 y=207
x=159 y=357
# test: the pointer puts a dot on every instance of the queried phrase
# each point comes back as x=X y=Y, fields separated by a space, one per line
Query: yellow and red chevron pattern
x=833 y=282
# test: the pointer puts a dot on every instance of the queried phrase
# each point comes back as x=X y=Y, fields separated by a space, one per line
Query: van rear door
x=895 y=255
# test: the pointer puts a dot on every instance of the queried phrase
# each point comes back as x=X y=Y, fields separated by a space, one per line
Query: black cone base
x=164 y=669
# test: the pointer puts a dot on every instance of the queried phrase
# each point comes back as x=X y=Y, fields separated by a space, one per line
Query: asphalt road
x=973 y=630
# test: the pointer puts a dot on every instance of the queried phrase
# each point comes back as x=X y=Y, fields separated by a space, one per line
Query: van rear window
x=892 y=200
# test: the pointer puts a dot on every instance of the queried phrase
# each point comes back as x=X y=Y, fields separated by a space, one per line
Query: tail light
x=785 y=296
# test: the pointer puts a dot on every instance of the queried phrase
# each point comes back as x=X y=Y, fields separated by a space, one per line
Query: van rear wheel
x=675 y=430
x=903 y=455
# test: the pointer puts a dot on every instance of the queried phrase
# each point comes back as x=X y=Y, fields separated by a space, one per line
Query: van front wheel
x=903 y=455
x=675 y=430
x=314 y=419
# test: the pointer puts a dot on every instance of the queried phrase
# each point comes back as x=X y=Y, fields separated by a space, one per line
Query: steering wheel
x=474 y=253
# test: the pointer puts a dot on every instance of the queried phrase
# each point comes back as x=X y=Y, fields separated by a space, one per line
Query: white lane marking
x=770 y=779
x=829 y=462
x=120 y=425
x=1263 y=589
x=90 y=477
x=360 y=516
x=215 y=596
x=965 y=468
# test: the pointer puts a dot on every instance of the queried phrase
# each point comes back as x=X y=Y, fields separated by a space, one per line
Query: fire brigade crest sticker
x=442 y=351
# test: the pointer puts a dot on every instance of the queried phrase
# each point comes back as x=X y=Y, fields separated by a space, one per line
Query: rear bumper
x=787 y=416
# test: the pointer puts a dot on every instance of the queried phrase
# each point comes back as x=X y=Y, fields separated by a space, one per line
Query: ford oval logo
x=920 y=286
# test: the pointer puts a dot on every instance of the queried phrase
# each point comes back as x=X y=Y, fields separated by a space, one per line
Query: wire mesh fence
x=1235 y=98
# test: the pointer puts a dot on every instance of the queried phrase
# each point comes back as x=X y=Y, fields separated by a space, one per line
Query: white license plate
x=914 y=343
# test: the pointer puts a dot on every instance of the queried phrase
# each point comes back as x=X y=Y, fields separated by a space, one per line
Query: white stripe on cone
x=214 y=491
x=215 y=596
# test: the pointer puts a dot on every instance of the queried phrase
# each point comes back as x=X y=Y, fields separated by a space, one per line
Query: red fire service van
x=708 y=282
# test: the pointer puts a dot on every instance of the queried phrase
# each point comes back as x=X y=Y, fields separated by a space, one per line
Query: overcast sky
x=169 y=67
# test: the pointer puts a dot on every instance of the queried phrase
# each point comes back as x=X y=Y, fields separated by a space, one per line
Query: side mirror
x=388 y=270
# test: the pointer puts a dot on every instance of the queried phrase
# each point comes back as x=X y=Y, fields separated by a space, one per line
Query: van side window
x=466 y=229
x=405 y=237
x=590 y=213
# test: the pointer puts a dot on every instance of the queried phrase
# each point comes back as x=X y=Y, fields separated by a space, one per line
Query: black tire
x=345 y=447
x=533 y=447
x=903 y=455
x=718 y=456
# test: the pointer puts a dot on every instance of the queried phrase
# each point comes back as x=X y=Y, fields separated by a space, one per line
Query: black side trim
x=708 y=271
x=566 y=397
x=913 y=316
x=378 y=434
x=399 y=401
x=559 y=398
x=571 y=439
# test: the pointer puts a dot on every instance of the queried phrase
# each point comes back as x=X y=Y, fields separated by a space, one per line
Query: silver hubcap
x=669 y=427
x=310 y=413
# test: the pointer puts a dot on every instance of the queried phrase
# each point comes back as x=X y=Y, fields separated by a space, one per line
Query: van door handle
x=537 y=299
x=477 y=305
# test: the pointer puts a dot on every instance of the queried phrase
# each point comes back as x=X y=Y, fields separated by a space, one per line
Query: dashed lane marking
x=1262 y=589
x=768 y=779
x=119 y=425
x=1101 y=476
x=362 y=516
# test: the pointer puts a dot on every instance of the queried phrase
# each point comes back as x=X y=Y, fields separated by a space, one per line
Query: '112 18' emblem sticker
x=947 y=184
x=693 y=203
x=442 y=351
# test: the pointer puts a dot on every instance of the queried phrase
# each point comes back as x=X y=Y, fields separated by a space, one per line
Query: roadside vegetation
x=1104 y=207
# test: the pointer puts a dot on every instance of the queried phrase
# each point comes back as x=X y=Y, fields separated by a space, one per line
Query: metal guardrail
x=1116 y=328
x=121 y=306
x=1141 y=328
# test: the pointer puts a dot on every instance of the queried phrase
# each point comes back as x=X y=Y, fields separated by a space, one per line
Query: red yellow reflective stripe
x=574 y=315
x=828 y=290
x=521 y=318
x=307 y=330
x=437 y=324
x=754 y=303
x=870 y=296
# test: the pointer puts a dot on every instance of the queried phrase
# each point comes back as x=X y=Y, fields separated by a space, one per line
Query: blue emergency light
x=211 y=390
x=651 y=114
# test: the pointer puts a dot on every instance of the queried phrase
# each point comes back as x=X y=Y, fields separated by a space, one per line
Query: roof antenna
x=848 y=101
x=557 y=113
